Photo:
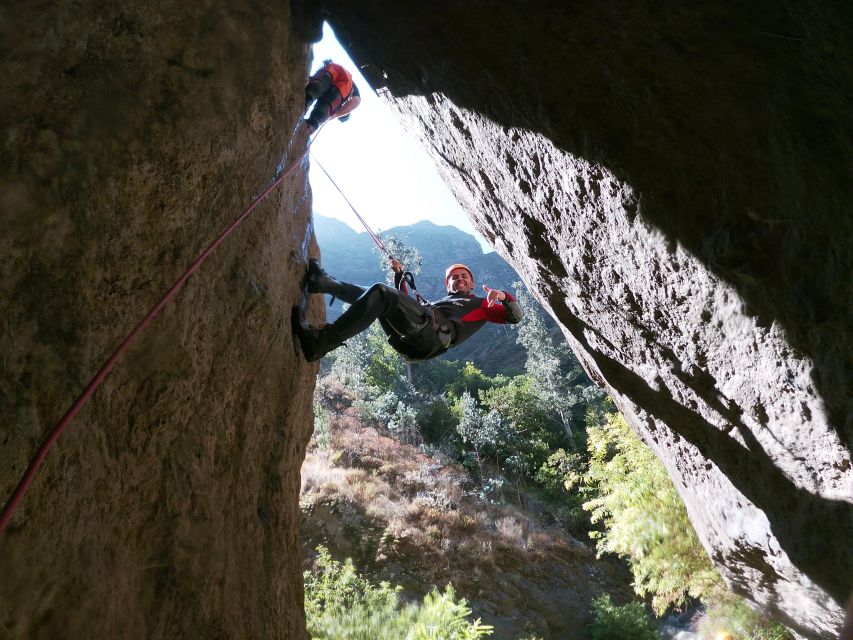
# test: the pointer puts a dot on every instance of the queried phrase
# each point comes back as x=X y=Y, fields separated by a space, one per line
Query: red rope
x=81 y=400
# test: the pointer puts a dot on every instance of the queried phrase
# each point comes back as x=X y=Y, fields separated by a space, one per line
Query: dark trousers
x=326 y=94
x=408 y=324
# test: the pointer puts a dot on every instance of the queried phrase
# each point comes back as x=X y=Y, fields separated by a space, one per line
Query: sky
x=383 y=170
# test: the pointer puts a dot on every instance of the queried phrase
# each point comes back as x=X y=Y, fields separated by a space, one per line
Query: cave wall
x=673 y=184
x=133 y=133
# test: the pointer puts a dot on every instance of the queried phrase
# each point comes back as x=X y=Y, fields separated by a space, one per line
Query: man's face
x=460 y=281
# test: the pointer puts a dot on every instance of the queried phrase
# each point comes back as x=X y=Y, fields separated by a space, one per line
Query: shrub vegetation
x=644 y=518
x=628 y=622
x=342 y=605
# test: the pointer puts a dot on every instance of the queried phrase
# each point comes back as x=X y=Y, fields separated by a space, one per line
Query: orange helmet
x=457 y=266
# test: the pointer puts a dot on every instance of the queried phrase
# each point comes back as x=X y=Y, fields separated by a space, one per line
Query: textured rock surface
x=132 y=134
x=674 y=185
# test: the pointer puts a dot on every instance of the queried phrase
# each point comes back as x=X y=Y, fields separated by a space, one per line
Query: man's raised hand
x=493 y=295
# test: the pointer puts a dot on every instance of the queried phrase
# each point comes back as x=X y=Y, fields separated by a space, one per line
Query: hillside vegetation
x=419 y=520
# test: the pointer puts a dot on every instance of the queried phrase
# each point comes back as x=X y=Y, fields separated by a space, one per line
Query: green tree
x=438 y=376
x=409 y=256
x=472 y=380
x=403 y=423
x=525 y=433
x=349 y=363
x=471 y=428
x=552 y=477
x=560 y=384
x=644 y=518
x=384 y=369
x=437 y=420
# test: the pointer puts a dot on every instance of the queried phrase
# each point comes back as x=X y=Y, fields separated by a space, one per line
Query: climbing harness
x=83 y=398
x=344 y=102
x=409 y=278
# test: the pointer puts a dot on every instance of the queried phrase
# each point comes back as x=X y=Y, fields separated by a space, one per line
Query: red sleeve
x=496 y=313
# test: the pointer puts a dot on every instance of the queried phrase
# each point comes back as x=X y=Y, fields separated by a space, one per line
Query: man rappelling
x=335 y=92
x=417 y=329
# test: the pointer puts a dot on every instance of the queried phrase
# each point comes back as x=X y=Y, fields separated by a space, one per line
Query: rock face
x=674 y=184
x=133 y=133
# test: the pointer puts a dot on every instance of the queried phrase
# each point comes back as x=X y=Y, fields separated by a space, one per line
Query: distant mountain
x=352 y=256
x=346 y=254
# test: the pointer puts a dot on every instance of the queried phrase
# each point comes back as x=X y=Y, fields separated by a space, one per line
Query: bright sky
x=383 y=170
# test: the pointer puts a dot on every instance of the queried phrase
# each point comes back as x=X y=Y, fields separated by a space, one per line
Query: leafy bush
x=381 y=407
x=404 y=424
x=628 y=622
x=645 y=519
x=384 y=368
x=341 y=605
x=349 y=363
x=561 y=466
x=472 y=380
x=734 y=616
x=437 y=421
x=557 y=477
x=562 y=388
x=337 y=585
x=441 y=617
x=437 y=375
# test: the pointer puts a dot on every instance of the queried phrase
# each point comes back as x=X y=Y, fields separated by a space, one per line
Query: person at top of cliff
x=416 y=330
x=335 y=93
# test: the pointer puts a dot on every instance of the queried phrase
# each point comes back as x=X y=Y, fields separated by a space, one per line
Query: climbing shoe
x=315 y=343
x=317 y=280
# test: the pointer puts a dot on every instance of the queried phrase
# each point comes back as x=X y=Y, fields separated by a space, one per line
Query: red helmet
x=457 y=266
